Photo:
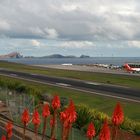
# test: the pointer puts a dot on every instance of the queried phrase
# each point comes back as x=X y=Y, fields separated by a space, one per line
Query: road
x=124 y=93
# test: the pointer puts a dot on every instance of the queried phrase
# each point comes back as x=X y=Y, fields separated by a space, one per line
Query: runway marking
x=12 y=74
x=82 y=90
x=92 y=83
x=33 y=74
x=63 y=84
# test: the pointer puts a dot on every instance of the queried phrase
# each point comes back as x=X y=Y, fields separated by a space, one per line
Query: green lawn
x=100 y=103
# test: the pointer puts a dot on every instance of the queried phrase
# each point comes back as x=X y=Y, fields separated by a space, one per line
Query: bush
x=84 y=116
x=99 y=115
x=97 y=118
x=21 y=88
x=98 y=125
x=137 y=129
x=132 y=126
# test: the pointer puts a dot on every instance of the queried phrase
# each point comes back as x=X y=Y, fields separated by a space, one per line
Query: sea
x=116 y=61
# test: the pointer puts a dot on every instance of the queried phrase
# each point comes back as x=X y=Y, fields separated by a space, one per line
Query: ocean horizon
x=119 y=61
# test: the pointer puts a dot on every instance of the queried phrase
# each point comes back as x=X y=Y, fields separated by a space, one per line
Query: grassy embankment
x=123 y=80
x=100 y=103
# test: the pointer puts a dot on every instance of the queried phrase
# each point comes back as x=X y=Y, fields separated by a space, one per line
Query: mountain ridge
x=59 y=56
x=18 y=55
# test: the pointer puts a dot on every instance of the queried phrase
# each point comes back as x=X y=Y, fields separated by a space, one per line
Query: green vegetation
x=123 y=80
x=86 y=115
x=100 y=103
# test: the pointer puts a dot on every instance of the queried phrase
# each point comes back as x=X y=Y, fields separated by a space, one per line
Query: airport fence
x=16 y=102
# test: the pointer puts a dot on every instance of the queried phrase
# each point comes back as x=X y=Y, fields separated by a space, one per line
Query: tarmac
x=89 y=68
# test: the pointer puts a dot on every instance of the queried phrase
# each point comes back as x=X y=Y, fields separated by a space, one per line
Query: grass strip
x=107 y=78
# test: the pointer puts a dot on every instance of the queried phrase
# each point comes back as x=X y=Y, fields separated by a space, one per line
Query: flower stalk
x=53 y=124
x=45 y=114
x=55 y=106
x=91 y=131
x=105 y=132
x=117 y=120
x=36 y=122
x=9 y=127
x=3 y=137
x=25 y=120
x=68 y=117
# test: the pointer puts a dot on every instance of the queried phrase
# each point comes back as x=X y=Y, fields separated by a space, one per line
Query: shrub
x=96 y=117
x=97 y=124
x=84 y=116
x=137 y=129
x=21 y=88
x=99 y=115
x=131 y=126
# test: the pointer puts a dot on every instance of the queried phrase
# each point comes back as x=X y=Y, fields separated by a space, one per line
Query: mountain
x=58 y=56
x=18 y=55
x=11 y=55
x=84 y=56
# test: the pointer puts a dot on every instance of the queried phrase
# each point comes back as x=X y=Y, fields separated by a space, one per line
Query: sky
x=70 y=27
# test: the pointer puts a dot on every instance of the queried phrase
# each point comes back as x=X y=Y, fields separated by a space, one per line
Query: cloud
x=55 y=26
x=45 y=33
x=134 y=44
x=72 y=20
x=77 y=44
x=68 y=7
x=36 y=31
x=51 y=33
x=35 y=43
x=4 y=25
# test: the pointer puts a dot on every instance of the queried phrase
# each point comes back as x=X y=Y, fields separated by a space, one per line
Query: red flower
x=36 y=118
x=3 y=138
x=45 y=114
x=105 y=132
x=69 y=115
x=90 y=131
x=63 y=116
x=56 y=102
x=52 y=122
x=118 y=115
x=46 y=111
x=9 y=127
x=72 y=115
x=25 y=117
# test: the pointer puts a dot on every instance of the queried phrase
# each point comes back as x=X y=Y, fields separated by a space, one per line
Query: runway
x=124 y=93
x=87 y=68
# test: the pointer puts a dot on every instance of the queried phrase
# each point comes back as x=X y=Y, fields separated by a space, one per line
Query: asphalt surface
x=109 y=90
x=91 y=68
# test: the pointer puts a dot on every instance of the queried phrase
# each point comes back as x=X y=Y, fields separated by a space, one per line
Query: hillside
x=11 y=55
